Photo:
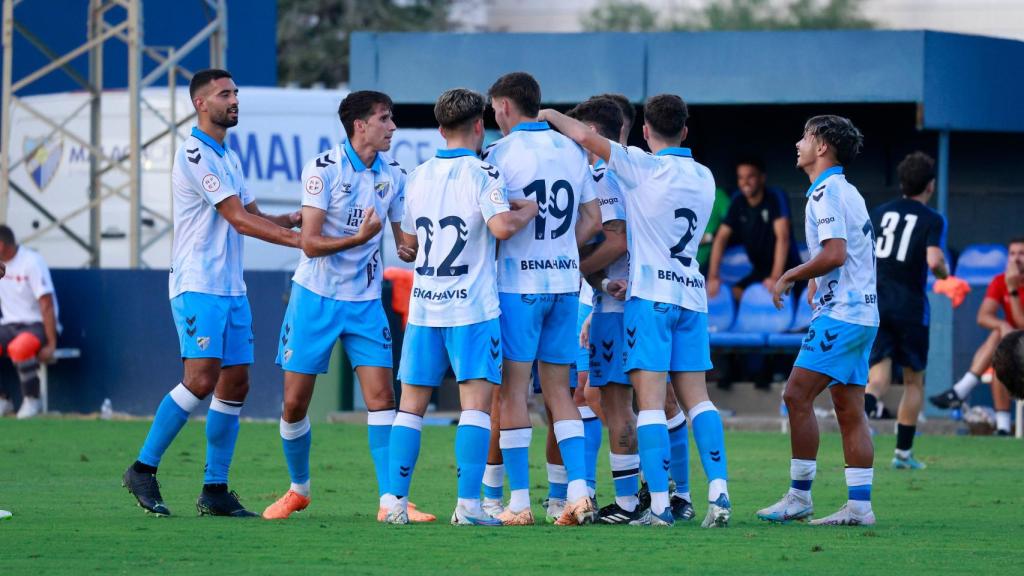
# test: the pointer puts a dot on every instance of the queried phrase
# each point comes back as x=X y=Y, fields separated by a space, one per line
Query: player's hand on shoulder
x=522 y=204
x=371 y=225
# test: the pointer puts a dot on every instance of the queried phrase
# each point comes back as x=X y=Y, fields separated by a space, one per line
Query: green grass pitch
x=61 y=479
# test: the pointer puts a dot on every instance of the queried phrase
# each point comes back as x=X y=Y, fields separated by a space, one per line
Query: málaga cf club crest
x=42 y=157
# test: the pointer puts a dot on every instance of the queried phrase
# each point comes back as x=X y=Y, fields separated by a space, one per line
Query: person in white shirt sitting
x=28 y=319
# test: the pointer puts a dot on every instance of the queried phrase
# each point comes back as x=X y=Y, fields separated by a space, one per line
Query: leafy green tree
x=622 y=15
x=313 y=35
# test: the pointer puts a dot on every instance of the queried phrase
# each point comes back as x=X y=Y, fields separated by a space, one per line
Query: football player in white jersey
x=668 y=200
x=835 y=353
x=348 y=194
x=538 y=286
x=456 y=206
x=213 y=209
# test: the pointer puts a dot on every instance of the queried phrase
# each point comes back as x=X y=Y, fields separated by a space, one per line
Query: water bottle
x=106 y=410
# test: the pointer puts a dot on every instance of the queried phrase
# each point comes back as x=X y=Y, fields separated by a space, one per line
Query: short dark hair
x=359 y=105
x=1008 y=362
x=204 y=77
x=604 y=113
x=7 y=235
x=520 y=88
x=839 y=133
x=752 y=161
x=666 y=114
x=915 y=172
x=628 y=112
x=1014 y=240
x=458 y=108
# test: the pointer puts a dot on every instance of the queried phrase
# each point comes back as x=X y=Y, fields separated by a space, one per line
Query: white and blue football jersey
x=668 y=203
x=448 y=201
x=206 y=254
x=340 y=184
x=835 y=209
x=613 y=207
x=544 y=166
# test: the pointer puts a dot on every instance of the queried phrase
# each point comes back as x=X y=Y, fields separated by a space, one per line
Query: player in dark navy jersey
x=909 y=241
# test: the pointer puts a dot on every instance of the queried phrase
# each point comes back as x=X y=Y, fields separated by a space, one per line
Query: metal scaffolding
x=107 y=21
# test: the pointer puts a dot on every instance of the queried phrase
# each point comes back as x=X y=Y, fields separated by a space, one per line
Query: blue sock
x=652 y=436
x=858 y=484
x=679 y=442
x=403 y=452
x=494 y=480
x=710 y=439
x=625 y=474
x=572 y=446
x=472 y=439
x=515 y=452
x=592 y=431
x=296 y=438
x=378 y=430
x=558 y=482
x=221 y=434
x=171 y=416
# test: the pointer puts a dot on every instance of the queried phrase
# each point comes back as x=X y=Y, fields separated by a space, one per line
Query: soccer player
x=910 y=240
x=668 y=201
x=538 y=285
x=348 y=194
x=456 y=205
x=213 y=209
x=28 y=319
x=834 y=355
x=1004 y=292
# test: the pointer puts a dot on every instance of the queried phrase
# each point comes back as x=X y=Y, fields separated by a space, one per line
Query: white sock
x=627 y=503
x=859 y=477
x=519 y=500
x=965 y=385
x=802 y=470
x=578 y=489
x=471 y=505
x=716 y=488
x=387 y=501
x=902 y=454
x=1003 y=421
x=302 y=489
x=659 y=502
x=494 y=475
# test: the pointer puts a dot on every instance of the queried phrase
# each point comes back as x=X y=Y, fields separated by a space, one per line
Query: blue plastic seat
x=756 y=319
x=721 y=311
x=979 y=263
x=735 y=265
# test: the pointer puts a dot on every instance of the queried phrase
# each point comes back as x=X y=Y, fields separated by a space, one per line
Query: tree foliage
x=627 y=15
x=313 y=35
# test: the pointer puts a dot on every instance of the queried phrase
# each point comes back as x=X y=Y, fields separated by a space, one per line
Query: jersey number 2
x=446 y=268
x=688 y=234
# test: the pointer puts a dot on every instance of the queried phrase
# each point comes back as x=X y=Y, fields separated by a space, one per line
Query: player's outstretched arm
x=832 y=256
x=290 y=220
x=578 y=132
x=937 y=262
x=506 y=224
x=251 y=225
x=613 y=247
x=315 y=244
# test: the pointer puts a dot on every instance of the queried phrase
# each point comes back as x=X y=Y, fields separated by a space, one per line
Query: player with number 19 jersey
x=668 y=197
x=453 y=310
x=538 y=267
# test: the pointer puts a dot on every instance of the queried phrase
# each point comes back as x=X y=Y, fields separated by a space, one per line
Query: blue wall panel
x=61 y=25
x=973 y=83
x=121 y=320
x=786 y=67
x=417 y=68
